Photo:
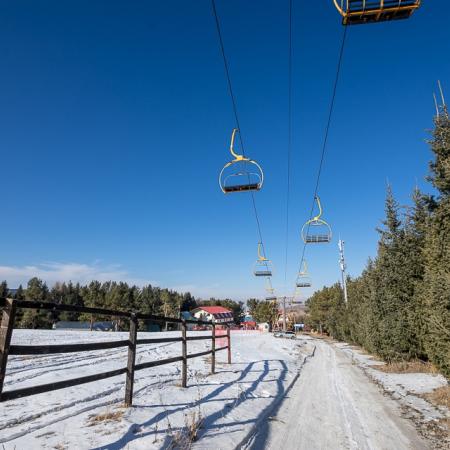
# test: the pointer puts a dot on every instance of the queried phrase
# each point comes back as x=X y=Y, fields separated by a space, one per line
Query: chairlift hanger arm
x=320 y=208
x=260 y=256
x=237 y=157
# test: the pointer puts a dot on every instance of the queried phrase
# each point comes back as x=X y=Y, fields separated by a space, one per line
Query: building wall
x=204 y=315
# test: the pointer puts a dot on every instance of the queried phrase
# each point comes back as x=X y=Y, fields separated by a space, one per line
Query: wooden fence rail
x=10 y=306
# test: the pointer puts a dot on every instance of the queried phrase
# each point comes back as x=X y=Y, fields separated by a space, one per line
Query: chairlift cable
x=289 y=146
x=327 y=131
x=235 y=111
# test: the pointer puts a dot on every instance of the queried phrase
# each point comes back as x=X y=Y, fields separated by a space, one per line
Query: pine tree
x=435 y=296
x=395 y=288
x=4 y=291
x=36 y=291
x=416 y=228
x=20 y=293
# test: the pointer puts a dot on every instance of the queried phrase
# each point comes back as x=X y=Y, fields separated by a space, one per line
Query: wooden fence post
x=229 y=343
x=131 y=360
x=184 y=354
x=213 y=348
x=6 y=329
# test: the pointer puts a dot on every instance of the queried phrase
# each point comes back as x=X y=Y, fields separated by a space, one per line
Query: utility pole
x=284 y=313
x=343 y=267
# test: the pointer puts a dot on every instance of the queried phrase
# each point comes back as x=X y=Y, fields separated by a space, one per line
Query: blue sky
x=115 y=121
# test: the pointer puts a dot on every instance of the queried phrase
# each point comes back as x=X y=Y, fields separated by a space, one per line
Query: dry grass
x=108 y=416
x=407 y=367
x=60 y=447
x=184 y=438
x=441 y=397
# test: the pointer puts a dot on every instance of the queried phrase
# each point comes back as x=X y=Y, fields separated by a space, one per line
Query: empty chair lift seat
x=366 y=11
x=241 y=174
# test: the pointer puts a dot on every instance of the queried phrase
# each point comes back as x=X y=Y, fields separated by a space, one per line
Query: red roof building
x=217 y=314
x=249 y=325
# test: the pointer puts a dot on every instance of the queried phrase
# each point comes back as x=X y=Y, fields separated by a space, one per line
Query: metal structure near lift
x=356 y=12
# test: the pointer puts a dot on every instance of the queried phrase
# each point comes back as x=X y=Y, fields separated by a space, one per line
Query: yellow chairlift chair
x=316 y=230
x=263 y=266
x=355 y=12
x=242 y=174
x=303 y=279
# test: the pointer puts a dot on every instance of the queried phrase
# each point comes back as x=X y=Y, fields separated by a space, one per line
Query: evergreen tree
x=266 y=311
x=435 y=296
x=415 y=234
x=20 y=293
x=36 y=291
x=4 y=291
x=188 y=303
x=252 y=304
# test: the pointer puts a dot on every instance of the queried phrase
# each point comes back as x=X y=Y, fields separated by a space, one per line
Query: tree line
x=108 y=295
x=399 y=307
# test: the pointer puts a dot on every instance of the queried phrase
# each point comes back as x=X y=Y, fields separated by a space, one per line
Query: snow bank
x=405 y=387
x=229 y=403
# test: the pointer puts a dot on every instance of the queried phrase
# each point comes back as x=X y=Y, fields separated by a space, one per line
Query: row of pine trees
x=108 y=295
x=399 y=308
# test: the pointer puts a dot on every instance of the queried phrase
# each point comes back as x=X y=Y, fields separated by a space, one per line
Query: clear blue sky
x=115 y=121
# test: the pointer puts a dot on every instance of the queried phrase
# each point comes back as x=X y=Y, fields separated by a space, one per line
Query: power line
x=236 y=116
x=327 y=131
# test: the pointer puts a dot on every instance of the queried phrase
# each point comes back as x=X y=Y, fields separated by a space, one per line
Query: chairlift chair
x=303 y=279
x=316 y=230
x=242 y=174
x=269 y=288
x=263 y=266
x=355 y=12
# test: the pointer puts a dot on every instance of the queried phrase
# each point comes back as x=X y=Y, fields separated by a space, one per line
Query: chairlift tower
x=343 y=267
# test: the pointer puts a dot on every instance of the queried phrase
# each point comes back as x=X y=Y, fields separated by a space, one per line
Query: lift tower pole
x=284 y=314
x=343 y=267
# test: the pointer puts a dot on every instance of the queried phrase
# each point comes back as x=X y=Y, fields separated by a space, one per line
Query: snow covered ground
x=277 y=394
x=231 y=403
x=334 y=405
x=408 y=389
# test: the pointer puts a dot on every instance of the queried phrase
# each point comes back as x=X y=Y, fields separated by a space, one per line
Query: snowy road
x=334 y=406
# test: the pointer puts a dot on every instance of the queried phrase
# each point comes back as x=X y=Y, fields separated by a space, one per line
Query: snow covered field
x=230 y=403
x=333 y=403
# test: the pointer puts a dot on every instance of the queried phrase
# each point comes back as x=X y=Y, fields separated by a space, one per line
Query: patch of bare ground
x=440 y=397
x=407 y=367
x=324 y=337
x=108 y=416
x=438 y=433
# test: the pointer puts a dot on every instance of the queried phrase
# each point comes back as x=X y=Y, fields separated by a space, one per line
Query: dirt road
x=333 y=405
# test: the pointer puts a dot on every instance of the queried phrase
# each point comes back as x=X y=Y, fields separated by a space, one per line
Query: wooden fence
x=9 y=308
